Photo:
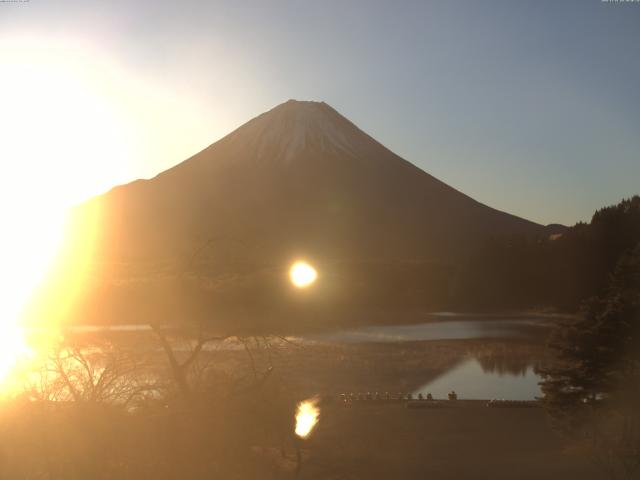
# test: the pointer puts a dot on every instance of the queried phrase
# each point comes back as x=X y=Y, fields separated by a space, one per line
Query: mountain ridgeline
x=212 y=238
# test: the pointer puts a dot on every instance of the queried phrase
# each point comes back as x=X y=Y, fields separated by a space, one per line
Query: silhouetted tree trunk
x=180 y=370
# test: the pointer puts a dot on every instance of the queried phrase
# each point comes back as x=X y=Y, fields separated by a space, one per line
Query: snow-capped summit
x=289 y=129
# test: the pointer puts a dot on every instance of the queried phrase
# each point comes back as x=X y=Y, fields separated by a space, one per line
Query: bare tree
x=180 y=368
x=96 y=374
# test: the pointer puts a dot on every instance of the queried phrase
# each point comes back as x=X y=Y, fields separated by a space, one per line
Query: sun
x=302 y=274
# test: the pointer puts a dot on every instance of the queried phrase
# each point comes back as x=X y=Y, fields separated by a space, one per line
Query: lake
x=509 y=374
x=437 y=330
x=471 y=381
x=502 y=367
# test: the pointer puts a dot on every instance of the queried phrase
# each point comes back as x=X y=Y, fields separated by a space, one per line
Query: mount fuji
x=299 y=179
x=217 y=232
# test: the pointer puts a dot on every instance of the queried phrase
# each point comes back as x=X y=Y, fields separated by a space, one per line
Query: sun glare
x=74 y=123
x=59 y=136
x=302 y=274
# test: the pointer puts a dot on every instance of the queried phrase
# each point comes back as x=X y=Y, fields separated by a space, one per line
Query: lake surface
x=507 y=373
x=442 y=326
x=471 y=381
x=510 y=376
x=437 y=330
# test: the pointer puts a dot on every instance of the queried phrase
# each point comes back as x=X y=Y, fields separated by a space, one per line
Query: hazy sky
x=530 y=107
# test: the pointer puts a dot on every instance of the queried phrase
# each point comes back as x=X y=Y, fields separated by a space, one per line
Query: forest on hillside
x=557 y=272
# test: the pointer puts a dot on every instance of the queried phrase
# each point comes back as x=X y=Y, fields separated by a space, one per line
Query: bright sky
x=530 y=107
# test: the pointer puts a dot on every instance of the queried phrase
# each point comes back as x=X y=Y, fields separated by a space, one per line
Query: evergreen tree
x=593 y=388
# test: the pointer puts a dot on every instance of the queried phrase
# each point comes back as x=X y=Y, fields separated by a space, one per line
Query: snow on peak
x=294 y=126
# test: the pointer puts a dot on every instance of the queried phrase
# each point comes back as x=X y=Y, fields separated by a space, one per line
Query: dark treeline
x=592 y=386
x=558 y=272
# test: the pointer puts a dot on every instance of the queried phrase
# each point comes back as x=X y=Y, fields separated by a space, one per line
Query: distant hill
x=299 y=181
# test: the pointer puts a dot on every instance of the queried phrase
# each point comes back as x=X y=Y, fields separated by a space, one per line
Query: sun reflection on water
x=307 y=416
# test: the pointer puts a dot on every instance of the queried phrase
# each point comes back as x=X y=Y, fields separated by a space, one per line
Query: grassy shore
x=468 y=441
